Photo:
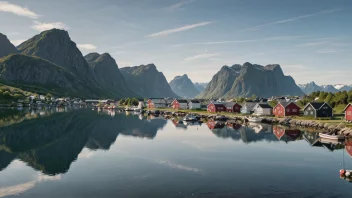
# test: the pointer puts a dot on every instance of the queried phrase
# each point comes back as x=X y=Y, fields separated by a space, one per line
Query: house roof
x=347 y=106
x=250 y=105
x=285 y=104
x=315 y=105
x=195 y=101
x=264 y=106
x=231 y=104
x=182 y=101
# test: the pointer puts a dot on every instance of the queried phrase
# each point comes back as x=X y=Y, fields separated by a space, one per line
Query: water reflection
x=51 y=143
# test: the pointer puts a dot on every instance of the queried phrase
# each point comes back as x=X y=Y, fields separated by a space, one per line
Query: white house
x=247 y=108
x=194 y=104
x=263 y=110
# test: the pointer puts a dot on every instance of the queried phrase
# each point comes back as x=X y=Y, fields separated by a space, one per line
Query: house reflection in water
x=286 y=134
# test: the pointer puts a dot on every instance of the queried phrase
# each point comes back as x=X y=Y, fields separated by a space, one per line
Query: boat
x=190 y=118
x=254 y=119
x=331 y=137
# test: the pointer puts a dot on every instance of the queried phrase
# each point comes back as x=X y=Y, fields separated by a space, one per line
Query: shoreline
x=332 y=126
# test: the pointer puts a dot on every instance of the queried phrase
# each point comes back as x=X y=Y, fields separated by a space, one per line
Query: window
x=294 y=110
x=311 y=113
x=288 y=110
x=310 y=108
x=349 y=112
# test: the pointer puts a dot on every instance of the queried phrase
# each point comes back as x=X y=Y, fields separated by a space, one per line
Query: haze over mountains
x=312 y=87
x=184 y=87
x=50 y=62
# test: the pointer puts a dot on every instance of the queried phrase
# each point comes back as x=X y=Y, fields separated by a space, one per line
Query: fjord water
x=85 y=153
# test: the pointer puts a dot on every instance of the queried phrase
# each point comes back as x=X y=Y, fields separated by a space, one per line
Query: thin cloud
x=86 y=46
x=291 y=19
x=17 y=42
x=180 y=29
x=311 y=44
x=326 y=51
x=180 y=4
x=47 y=26
x=17 y=10
x=201 y=56
x=278 y=38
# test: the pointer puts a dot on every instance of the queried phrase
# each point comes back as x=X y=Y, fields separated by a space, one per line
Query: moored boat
x=331 y=137
x=254 y=119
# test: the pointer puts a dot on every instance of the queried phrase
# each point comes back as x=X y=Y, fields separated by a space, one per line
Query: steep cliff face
x=107 y=73
x=184 y=87
x=57 y=47
x=6 y=47
x=147 y=81
x=36 y=73
x=248 y=80
x=221 y=82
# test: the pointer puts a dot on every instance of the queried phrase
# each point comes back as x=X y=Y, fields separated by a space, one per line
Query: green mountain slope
x=108 y=74
x=184 y=87
x=6 y=47
x=147 y=81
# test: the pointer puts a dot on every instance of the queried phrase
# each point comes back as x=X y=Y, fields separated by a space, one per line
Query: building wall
x=194 y=105
x=216 y=108
x=279 y=111
x=348 y=113
x=175 y=104
x=309 y=111
x=292 y=110
x=324 y=112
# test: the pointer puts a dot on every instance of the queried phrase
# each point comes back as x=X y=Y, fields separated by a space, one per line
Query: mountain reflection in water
x=86 y=153
x=51 y=143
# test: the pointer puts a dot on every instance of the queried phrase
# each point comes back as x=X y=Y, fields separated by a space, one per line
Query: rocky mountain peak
x=6 y=47
x=184 y=87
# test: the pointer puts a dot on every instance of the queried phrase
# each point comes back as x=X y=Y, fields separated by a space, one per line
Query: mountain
x=36 y=74
x=108 y=74
x=200 y=86
x=250 y=79
x=346 y=88
x=184 y=87
x=221 y=82
x=147 y=81
x=312 y=87
x=6 y=46
x=329 y=88
x=55 y=46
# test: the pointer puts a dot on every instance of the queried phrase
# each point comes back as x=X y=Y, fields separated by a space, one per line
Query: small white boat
x=331 y=137
x=190 y=118
x=254 y=119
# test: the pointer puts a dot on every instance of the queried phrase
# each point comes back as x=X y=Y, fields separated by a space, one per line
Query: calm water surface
x=84 y=153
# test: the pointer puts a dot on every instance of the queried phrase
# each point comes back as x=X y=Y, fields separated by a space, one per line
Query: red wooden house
x=216 y=107
x=348 y=113
x=233 y=107
x=284 y=109
x=156 y=103
x=179 y=104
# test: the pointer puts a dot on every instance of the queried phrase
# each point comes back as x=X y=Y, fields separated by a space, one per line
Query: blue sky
x=310 y=39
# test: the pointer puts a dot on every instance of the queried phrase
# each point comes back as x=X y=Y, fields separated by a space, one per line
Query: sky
x=310 y=39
